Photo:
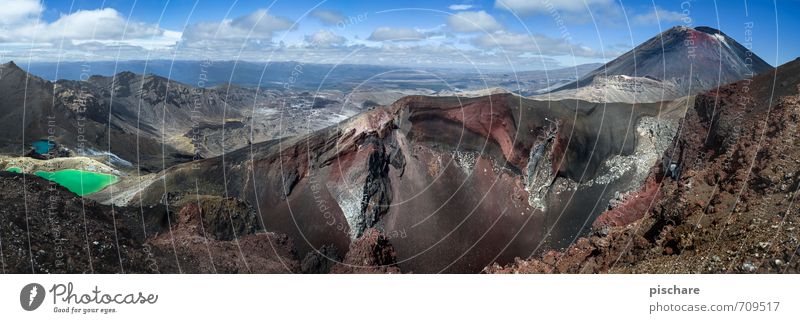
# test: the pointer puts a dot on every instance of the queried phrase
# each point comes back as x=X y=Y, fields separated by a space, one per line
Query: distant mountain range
x=310 y=77
x=129 y=115
x=169 y=116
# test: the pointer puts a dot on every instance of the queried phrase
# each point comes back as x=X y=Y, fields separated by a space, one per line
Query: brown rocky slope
x=46 y=229
x=723 y=199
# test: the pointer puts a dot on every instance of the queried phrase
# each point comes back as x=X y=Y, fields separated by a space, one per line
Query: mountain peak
x=11 y=65
x=11 y=68
x=703 y=29
x=125 y=76
x=708 y=30
x=686 y=60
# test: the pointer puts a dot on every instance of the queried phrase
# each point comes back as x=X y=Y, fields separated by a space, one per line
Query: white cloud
x=99 y=24
x=473 y=21
x=328 y=17
x=12 y=11
x=536 y=44
x=325 y=37
x=103 y=34
x=395 y=34
x=255 y=28
x=459 y=7
x=529 y=7
x=658 y=15
x=425 y=55
x=99 y=34
x=606 y=12
x=164 y=40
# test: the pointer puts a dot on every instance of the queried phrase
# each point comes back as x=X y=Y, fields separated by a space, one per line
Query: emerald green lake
x=77 y=181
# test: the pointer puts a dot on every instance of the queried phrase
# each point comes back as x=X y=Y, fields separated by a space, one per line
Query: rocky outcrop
x=593 y=254
x=540 y=173
x=222 y=218
x=193 y=250
x=364 y=194
x=721 y=201
x=654 y=139
x=320 y=261
x=370 y=254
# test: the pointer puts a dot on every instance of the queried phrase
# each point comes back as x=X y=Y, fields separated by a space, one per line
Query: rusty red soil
x=491 y=118
x=634 y=207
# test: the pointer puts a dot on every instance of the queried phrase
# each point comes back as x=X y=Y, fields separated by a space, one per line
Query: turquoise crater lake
x=42 y=147
x=80 y=182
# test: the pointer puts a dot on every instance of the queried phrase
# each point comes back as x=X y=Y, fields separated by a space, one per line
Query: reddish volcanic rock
x=370 y=254
x=491 y=118
x=635 y=205
x=186 y=248
x=587 y=255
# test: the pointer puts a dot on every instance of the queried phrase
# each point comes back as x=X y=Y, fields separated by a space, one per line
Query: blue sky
x=496 y=34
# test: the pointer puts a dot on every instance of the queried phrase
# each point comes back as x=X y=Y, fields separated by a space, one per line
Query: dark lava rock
x=320 y=261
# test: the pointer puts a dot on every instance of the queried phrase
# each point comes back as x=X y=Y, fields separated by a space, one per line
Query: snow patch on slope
x=721 y=39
